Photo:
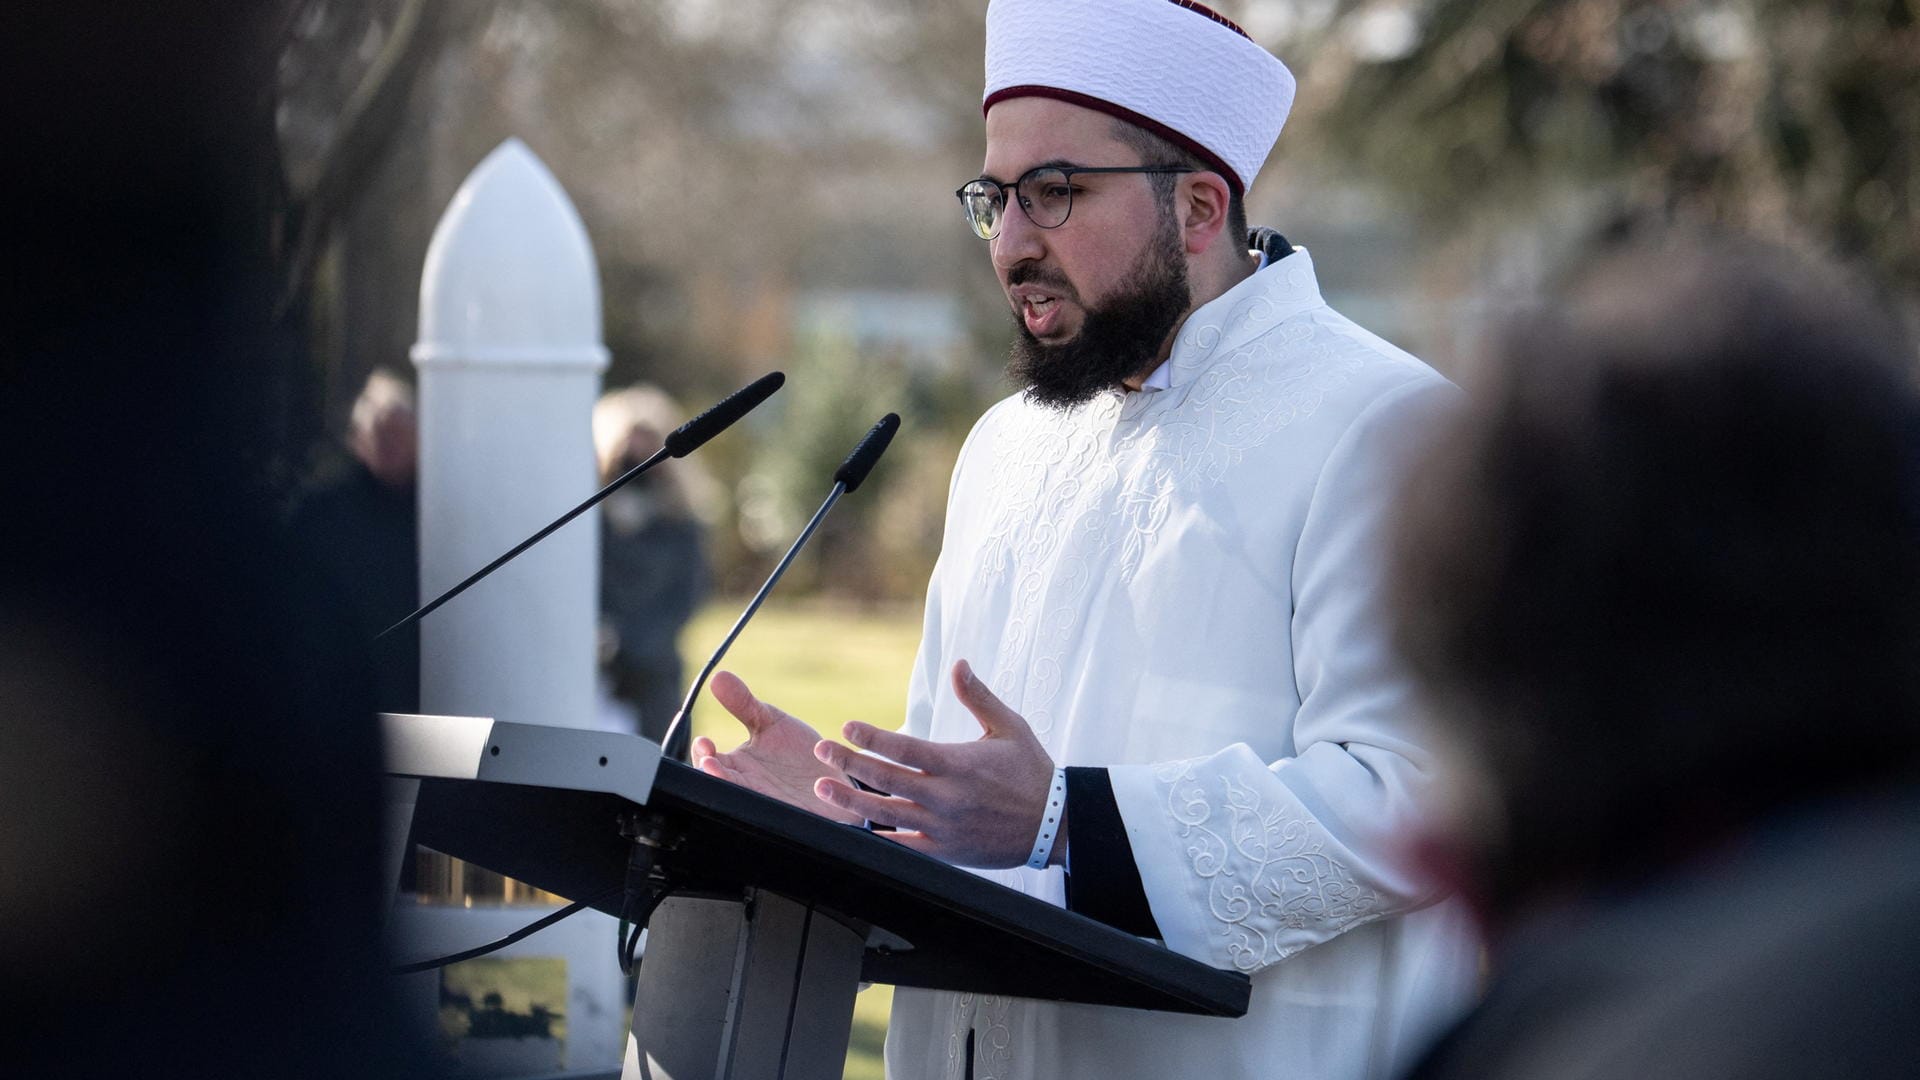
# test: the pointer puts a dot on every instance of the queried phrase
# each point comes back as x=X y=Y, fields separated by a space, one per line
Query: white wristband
x=1050 y=822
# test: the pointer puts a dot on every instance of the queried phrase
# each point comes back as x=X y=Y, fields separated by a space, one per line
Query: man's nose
x=1020 y=240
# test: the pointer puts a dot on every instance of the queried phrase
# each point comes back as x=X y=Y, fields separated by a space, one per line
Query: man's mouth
x=1039 y=311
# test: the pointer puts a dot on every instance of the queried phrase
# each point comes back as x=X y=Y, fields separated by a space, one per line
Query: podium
x=764 y=919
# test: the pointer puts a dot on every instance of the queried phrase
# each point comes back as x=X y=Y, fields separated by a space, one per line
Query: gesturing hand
x=777 y=758
x=972 y=804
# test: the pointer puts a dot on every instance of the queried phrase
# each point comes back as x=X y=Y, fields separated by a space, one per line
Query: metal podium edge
x=538 y=755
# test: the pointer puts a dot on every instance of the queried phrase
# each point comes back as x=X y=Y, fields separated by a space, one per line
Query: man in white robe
x=1164 y=560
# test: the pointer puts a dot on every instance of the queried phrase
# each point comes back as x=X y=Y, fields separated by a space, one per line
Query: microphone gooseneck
x=685 y=439
x=847 y=477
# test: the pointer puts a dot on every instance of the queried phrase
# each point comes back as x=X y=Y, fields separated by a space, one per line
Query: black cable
x=630 y=939
x=494 y=946
x=630 y=949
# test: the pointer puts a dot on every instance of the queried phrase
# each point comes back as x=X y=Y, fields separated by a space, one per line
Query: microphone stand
x=472 y=579
x=849 y=476
x=684 y=440
x=671 y=744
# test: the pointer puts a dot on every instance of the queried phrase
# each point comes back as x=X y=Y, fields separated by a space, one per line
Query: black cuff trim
x=1105 y=883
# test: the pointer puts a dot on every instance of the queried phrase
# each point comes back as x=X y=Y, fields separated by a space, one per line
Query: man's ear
x=1202 y=199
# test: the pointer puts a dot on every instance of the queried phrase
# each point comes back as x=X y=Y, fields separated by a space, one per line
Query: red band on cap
x=1085 y=101
x=1202 y=9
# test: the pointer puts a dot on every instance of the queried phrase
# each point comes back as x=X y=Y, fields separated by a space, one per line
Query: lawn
x=825 y=665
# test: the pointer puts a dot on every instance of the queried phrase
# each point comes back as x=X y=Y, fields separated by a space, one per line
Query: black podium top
x=965 y=933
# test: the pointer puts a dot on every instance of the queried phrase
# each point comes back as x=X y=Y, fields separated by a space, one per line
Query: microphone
x=684 y=440
x=859 y=463
x=846 y=478
x=693 y=434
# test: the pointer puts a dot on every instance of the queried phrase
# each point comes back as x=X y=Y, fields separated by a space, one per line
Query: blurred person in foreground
x=1663 y=583
x=653 y=563
x=358 y=521
x=1155 y=682
x=190 y=783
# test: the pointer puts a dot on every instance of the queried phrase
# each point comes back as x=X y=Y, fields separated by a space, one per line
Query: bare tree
x=1792 y=120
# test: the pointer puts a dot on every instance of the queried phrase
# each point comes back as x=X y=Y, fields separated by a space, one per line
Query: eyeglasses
x=1045 y=193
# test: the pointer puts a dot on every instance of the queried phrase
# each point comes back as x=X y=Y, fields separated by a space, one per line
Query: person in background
x=1662 y=586
x=653 y=563
x=358 y=518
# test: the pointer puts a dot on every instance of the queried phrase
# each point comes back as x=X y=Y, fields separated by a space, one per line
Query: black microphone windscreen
x=689 y=436
x=860 y=462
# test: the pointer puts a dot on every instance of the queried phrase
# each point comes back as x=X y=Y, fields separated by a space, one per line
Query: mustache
x=1045 y=276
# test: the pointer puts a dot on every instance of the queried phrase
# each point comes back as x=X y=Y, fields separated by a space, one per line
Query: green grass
x=870 y=1011
x=825 y=665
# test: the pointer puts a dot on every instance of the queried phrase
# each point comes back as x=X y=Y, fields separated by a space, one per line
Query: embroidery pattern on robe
x=1265 y=869
x=1084 y=491
x=1052 y=466
x=993 y=1038
x=987 y=1020
x=959 y=1025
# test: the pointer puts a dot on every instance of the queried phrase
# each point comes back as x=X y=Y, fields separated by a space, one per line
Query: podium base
x=746 y=987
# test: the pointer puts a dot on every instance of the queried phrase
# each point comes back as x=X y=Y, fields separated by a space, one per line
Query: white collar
x=1162 y=377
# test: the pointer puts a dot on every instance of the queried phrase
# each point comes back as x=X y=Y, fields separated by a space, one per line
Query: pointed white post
x=509 y=360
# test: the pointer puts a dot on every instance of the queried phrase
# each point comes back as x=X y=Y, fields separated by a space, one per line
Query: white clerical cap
x=1173 y=67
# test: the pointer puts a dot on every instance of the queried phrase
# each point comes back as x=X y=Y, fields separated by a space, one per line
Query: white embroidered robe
x=1185 y=586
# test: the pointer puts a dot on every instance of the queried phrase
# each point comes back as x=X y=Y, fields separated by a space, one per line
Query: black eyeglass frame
x=1068 y=172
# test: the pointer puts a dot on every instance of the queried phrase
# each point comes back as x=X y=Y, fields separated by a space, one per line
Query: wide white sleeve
x=1245 y=862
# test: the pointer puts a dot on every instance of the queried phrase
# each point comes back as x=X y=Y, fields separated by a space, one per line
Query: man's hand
x=972 y=804
x=776 y=760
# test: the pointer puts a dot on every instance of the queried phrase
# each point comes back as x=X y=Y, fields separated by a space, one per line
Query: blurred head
x=629 y=426
x=383 y=433
x=1662 y=580
x=1098 y=293
x=189 y=714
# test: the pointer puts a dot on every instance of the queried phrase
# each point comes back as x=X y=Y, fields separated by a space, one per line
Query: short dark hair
x=1662 y=578
x=1154 y=150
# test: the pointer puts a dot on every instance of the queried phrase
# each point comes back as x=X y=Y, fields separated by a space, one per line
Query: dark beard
x=1117 y=341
